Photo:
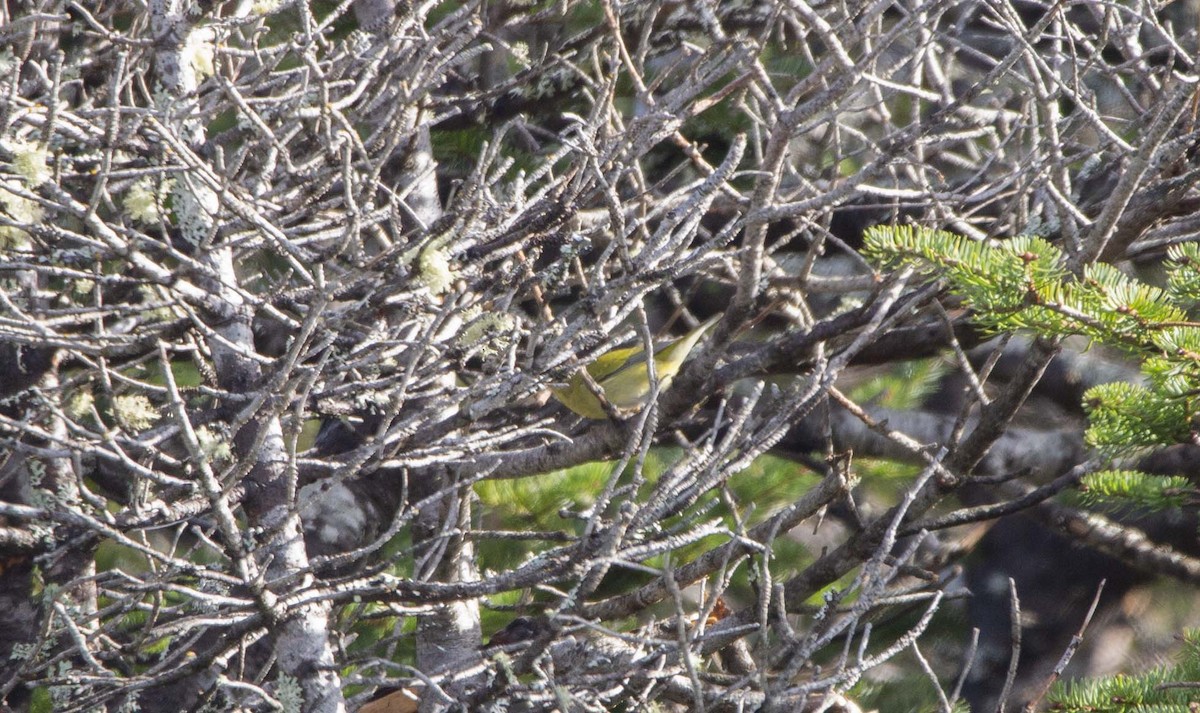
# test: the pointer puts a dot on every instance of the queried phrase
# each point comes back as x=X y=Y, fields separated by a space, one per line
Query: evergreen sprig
x=1125 y=488
x=1123 y=417
x=1150 y=692
x=1183 y=276
x=1023 y=283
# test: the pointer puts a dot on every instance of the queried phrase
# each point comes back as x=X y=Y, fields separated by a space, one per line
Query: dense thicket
x=285 y=286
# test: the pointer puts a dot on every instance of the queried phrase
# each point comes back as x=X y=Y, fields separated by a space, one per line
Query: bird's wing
x=612 y=361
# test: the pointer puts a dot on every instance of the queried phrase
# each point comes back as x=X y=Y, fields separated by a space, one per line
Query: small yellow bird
x=624 y=376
